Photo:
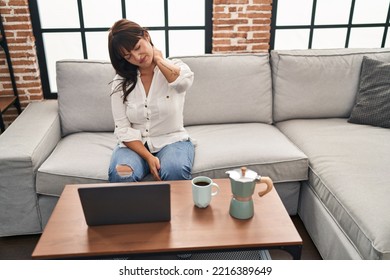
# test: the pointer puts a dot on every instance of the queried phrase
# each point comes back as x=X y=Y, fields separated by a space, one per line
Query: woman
x=147 y=103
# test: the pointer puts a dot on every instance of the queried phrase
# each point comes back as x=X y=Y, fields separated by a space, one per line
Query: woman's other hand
x=154 y=165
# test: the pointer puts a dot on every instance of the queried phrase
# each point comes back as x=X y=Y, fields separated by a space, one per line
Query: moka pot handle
x=268 y=182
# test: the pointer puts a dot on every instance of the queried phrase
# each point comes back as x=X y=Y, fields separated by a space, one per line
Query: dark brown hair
x=124 y=35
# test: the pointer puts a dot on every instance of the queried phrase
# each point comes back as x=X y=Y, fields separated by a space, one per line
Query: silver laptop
x=108 y=205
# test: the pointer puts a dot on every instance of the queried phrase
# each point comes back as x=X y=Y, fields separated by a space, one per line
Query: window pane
x=158 y=39
x=60 y=46
x=366 y=37
x=146 y=12
x=58 y=13
x=387 y=44
x=97 y=45
x=102 y=13
x=369 y=11
x=332 y=11
x=289 y=14
x=292 y=39
x=186 y=12
x=186 y=42
x=329 y=38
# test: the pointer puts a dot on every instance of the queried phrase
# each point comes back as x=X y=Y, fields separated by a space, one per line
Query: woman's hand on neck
x=157 y=55
x=169 y=70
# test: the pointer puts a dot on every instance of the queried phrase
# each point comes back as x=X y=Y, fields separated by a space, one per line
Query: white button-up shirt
x=156 y=118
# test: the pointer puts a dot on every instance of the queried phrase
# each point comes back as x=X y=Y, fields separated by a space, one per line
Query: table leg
x=295 y=251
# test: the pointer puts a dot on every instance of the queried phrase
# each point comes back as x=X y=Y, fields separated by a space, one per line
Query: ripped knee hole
x=124 y=170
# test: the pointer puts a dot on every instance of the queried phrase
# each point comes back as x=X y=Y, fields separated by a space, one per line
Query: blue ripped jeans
x=176 y=162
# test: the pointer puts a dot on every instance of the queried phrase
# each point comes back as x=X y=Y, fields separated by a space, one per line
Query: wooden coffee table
x=190 y=230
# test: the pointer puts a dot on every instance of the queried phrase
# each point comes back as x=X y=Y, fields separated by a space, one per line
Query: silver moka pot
x=243 y=182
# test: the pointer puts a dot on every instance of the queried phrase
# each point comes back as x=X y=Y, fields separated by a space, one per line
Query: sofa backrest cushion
x=229 y=88
x=317 y=83
x=84 y=95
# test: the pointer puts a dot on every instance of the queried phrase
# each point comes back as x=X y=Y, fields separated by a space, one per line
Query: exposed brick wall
x=241 y=25
x=21 y=44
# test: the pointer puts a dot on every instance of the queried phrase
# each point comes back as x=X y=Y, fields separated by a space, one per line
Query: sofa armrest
x=24 y=146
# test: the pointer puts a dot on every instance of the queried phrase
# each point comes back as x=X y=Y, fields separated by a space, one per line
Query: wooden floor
x=21 y=247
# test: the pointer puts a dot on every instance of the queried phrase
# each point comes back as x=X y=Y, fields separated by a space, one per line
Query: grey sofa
x=283 y=115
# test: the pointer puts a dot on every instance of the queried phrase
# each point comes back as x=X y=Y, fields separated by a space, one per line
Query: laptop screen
x=135 y=203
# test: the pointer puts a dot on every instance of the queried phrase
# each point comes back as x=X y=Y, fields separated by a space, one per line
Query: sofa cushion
x=349 y=173
x=79 y=158
x=229 y=88
x=318 y=83
x=373 y=98
x=84 y=157
x=84 y=95
x=260 y=147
